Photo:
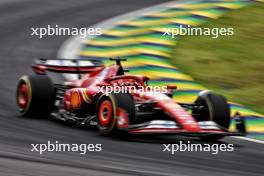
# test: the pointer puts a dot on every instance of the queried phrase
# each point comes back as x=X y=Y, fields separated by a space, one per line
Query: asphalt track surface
x=136 y=156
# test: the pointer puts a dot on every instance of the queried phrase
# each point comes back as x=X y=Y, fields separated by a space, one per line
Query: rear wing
x=75 y=66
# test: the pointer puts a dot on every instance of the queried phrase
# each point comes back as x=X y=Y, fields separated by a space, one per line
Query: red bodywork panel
x=84 y=90
x=174 y=110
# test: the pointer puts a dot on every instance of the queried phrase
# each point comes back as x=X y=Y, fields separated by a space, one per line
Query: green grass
x=230 y=65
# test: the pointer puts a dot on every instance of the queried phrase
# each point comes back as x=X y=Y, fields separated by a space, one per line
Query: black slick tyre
x=35 y=95
x=215 y=108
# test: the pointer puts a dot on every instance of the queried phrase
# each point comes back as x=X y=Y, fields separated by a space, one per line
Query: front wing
x=171 y=127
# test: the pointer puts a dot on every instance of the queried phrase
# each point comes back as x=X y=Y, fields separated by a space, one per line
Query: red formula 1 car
x=89 y=101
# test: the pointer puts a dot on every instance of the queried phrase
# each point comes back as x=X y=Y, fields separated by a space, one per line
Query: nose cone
x=191 y=126
x=175 y=111
x=180 y=115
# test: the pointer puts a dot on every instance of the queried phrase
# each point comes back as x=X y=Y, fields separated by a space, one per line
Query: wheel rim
x=105 y=113
x=22 y=96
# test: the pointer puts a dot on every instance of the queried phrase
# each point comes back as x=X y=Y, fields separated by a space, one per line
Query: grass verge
x=230 y=65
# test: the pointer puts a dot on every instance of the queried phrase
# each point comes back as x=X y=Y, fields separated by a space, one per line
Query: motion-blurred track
x=141 y=156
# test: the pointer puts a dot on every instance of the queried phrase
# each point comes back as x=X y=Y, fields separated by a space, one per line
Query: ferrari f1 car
x=85 y=101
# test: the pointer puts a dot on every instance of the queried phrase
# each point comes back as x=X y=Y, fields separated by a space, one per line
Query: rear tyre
x=114 y=112
x=35 y=95
x=215 y=108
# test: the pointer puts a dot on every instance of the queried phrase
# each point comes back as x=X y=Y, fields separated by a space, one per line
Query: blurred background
x=228 y=65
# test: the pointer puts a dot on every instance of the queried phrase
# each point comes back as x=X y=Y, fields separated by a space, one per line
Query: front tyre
x=114 y=112
x=215 y=108
x=35 y=95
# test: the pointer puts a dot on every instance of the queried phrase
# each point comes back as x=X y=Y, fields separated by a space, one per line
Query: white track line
x=249 y=139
